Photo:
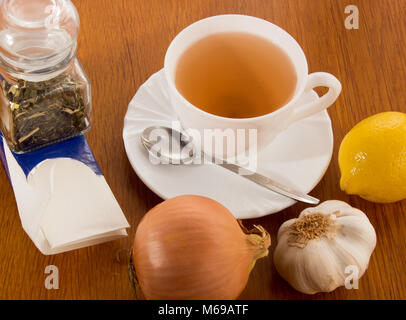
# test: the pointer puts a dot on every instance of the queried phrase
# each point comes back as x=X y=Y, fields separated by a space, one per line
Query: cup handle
x=318 y=79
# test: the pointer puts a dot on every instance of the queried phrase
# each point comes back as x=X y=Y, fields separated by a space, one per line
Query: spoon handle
x=269 y=183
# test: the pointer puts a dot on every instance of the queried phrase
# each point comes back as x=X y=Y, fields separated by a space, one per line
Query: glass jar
x=45 y=94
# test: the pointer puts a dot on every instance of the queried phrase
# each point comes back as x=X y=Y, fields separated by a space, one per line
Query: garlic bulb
x=325 y=245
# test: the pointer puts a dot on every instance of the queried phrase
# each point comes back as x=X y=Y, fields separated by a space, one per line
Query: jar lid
x=37 y=34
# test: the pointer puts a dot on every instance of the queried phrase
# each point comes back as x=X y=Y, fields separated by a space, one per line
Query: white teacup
x=270 y=125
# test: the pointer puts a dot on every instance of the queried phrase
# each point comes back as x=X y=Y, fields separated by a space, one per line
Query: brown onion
x=191 y=247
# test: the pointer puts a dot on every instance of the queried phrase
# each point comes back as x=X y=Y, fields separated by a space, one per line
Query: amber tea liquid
x=236 y=75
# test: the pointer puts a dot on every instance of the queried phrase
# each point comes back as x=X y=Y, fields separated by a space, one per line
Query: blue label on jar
x=76 y=148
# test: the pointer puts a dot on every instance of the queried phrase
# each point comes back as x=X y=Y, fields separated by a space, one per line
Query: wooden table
x=122 y=42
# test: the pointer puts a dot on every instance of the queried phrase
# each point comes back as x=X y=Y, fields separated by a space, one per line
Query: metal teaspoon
x=182 y=139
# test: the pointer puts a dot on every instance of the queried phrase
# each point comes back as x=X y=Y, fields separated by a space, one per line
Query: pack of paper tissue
x=63 y=200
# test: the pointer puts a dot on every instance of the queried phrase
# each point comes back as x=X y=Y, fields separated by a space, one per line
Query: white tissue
x=64 y=205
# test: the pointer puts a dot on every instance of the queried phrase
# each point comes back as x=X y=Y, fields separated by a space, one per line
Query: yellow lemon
x=372 y=158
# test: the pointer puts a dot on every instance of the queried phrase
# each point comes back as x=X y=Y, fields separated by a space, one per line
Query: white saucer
x=298 y=157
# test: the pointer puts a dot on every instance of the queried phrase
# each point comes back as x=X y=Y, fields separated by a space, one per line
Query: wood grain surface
x=123 y=42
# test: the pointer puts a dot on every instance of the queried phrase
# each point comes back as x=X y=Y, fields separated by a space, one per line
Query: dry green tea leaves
x=44 y=112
